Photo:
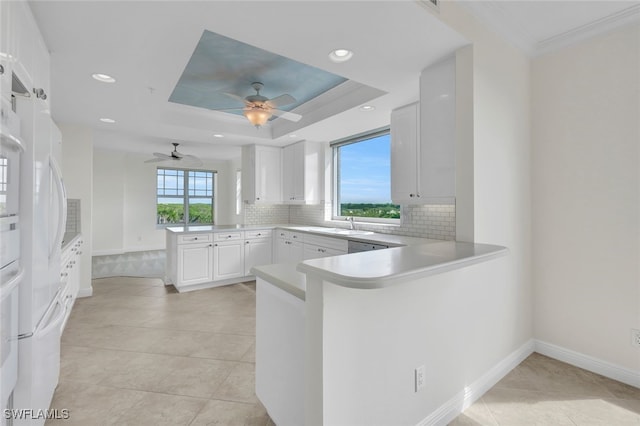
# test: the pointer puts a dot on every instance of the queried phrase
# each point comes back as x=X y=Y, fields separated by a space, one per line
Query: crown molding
x=497 y=18
x=583 y=32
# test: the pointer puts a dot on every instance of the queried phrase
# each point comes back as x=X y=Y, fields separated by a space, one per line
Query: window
x=185 y=196
x=362 y=178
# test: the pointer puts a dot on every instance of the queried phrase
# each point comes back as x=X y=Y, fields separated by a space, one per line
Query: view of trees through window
x=363 y=178
x=184 y=196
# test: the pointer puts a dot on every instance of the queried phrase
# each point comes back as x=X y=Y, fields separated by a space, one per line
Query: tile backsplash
x=426 y=221
x=73 y=216
x=264 y=215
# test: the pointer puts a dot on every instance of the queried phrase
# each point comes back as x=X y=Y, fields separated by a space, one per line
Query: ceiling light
x=218 y=135
x=104 y=78
x=108 y=120
x=367 y=107
x=340 y=55
x=293 y=135
x=257 y=116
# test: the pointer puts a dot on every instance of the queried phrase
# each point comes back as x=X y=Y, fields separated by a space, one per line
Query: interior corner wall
x=77 y=172
x=586 y=196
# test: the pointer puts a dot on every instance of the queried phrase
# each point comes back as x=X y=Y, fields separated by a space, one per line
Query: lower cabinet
x=257 y=250
x=195 y=264
x=228 y=256
x=289 y=247
x=316 y=246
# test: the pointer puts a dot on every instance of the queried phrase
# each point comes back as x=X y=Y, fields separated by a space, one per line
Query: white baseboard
x=589 y=363
x=85 y=292
x=466 y=397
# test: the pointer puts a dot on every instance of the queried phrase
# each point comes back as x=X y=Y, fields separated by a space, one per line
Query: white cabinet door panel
x=228 y=260
x=194 y=264
x=256 y=253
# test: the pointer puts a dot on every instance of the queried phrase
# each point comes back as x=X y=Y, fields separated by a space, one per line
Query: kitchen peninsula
x=340 y=340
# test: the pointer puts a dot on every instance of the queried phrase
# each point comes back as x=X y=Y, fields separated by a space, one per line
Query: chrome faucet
x=350 y=219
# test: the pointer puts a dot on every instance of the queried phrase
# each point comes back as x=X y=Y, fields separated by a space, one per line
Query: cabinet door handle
x=246 y=242
x=215 y=245
x=411 y=195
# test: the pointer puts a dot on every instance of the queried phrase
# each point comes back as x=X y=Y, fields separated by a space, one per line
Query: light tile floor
x=138 y=353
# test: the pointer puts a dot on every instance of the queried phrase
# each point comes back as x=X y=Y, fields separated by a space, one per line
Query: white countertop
x=371 y=237
x=383 y=268
x=284 y=276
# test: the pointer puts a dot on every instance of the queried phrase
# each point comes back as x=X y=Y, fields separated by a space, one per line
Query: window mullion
x=185 y=175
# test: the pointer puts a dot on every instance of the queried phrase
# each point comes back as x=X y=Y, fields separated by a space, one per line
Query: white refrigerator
x=43 y=216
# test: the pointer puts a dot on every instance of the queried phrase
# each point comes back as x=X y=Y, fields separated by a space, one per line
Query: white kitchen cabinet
x=405 y=141
x=288 y=247
x=423 y=140
x=301 y=171
x=261 y=174
x=195 y=264
x=316 y=246
x=70 y=276
x=228 y=255
x=7 y=50
x=438 y=130
x=258 y=249
x=24 y=33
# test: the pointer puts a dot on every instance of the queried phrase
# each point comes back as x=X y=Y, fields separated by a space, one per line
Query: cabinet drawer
x=228 y=236
x=327 y=242
x=263 y=233
x=289 y=235
x=194 y=238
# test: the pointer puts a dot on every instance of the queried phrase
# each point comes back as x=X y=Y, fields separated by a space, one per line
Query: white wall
x=501 y=188
x=125 y=204
x=108 y=201
x=586 y=196
x=77 y=170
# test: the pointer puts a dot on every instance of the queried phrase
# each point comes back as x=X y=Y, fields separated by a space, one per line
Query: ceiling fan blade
x=177 y=155
x=230 y=109
x=163 y=156
x=291 y=116
x=281 y=100
x=155 y=160
x=234 y=96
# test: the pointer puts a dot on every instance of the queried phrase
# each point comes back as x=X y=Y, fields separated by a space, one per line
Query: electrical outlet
x=635 y=338
x=419 y=377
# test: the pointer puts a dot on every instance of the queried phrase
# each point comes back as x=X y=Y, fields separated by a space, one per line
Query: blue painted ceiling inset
x=220 y=64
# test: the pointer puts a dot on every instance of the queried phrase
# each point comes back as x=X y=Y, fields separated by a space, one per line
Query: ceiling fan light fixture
x=257 y=116
x=340 y=55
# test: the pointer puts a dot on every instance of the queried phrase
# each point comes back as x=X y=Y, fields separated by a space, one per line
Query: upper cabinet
x=423 y=140
x=405 y=141
x=301 y=167
x=261 y=174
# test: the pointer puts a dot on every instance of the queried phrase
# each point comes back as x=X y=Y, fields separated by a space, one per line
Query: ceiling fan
x=258 y=109
x=175 y=156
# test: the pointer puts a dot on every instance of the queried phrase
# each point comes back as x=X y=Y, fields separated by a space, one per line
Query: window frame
x=335 y=187
x=186 y=195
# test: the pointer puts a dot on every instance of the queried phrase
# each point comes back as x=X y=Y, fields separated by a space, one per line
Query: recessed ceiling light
x=367 y=107
x=340 y=55
x=218 y=135
x=293 y=135
x=108 y=120
x=104 y=78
